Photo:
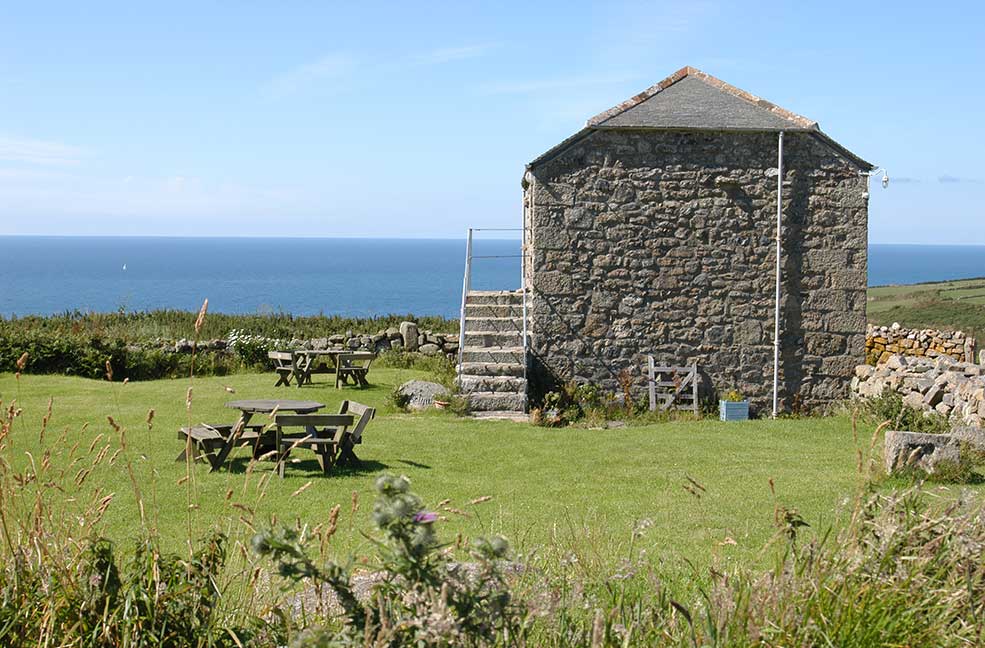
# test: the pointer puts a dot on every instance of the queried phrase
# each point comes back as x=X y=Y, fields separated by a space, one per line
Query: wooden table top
x=265 y=406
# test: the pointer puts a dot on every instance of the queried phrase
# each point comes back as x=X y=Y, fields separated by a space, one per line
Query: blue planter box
x=733 y=411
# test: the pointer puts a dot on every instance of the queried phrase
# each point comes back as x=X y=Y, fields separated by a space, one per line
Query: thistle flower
x=425 y=517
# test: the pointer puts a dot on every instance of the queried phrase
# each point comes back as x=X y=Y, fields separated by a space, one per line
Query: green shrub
x=397 y=400
x=252 y=349
x=889 y=406
x=76 y=354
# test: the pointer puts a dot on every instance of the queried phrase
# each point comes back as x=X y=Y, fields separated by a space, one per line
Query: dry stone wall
x=662 y=243
x=406 y=337
x=948 y=387
x=882 y=342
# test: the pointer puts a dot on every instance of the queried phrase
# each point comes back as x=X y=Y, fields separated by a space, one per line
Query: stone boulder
x=920 y=450
x=420 y=394
x=382 y=345
x=430 y=349
x=972 y=435
x=408 y=331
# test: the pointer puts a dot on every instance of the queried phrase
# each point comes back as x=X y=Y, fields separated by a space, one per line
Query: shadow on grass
x=238 y=465
x=413 y=464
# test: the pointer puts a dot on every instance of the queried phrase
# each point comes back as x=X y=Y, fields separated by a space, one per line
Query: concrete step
x=469 y=384
x=492 y=338
x=486 y=402
x=492 y=369
x=492 y=355
x=494 y=310
x=477 y=297
x=501 y=324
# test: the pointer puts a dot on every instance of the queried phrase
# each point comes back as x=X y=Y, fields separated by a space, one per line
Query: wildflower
x=425 y=517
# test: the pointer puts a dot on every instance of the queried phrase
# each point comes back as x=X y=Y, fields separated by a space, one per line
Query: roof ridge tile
x=715 y=82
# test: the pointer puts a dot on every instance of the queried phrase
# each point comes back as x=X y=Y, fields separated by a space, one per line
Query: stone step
x=493 y=354
x=493 y=324
x=477 y=297
x=486 y=402
x=492 y=369
x=502 y=415
x=492 y=338
x=494 y=310
x=469 y=384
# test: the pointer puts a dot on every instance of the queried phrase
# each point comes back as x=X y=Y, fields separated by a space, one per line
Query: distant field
x=956 y=305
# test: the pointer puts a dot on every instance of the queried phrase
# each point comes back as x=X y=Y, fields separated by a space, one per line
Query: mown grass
x=567 y=487
x=679 y=533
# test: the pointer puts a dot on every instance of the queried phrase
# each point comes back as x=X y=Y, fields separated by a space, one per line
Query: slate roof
x=690 y=99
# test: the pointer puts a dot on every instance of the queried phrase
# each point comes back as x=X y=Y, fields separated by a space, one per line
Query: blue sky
x=415 y=119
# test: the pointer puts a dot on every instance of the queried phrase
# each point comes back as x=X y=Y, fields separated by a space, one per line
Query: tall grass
x=144 y=326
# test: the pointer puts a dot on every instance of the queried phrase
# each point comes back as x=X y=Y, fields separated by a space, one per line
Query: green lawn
x=557 y=487
x=948 y=304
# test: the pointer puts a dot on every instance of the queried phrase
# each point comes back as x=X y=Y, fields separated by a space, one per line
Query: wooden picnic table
x=247 y=409
x=298 y=365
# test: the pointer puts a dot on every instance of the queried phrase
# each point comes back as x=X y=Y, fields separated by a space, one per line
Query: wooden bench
x=330 y=436
x=206 y=440
x=354 y=366
x=285 y=364
x=347 y=455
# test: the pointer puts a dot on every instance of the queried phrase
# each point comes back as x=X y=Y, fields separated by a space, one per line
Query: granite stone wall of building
x=663 y=242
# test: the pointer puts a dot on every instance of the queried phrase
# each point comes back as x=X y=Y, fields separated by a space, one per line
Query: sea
x=310 y=276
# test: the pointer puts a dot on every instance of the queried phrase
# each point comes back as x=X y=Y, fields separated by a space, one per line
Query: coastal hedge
x=86 y=355
x=137 y=344
x=146 y=326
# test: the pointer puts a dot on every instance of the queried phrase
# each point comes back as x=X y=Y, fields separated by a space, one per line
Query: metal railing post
x=466 y=286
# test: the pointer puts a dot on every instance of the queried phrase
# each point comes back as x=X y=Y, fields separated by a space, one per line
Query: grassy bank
x=952 y=305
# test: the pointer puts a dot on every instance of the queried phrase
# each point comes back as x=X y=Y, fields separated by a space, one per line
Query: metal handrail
x=523 y=288
x=466 y=285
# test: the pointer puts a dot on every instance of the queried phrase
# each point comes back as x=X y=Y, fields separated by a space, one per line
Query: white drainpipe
x=776 y=312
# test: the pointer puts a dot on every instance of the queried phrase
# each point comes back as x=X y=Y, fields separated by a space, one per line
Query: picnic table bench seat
x=298 y=366
x=331 y=437
x=206 y=440
x=353 y=366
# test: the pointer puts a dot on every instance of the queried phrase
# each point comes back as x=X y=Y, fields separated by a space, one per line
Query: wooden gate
x=672 y=387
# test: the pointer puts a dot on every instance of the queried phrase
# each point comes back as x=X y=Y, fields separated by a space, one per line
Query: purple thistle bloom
x=425 y=517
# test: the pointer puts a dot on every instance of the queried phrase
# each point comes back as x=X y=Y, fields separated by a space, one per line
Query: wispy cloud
x=302 y=77
x=450 y=54
x=40 y=152
x=950 y=179
x=903 y=180
x=542 y=85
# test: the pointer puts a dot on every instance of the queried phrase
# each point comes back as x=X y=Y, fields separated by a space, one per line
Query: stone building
x=652 y=231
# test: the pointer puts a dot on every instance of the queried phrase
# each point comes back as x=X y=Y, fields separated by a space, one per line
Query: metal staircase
x=492 y=362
